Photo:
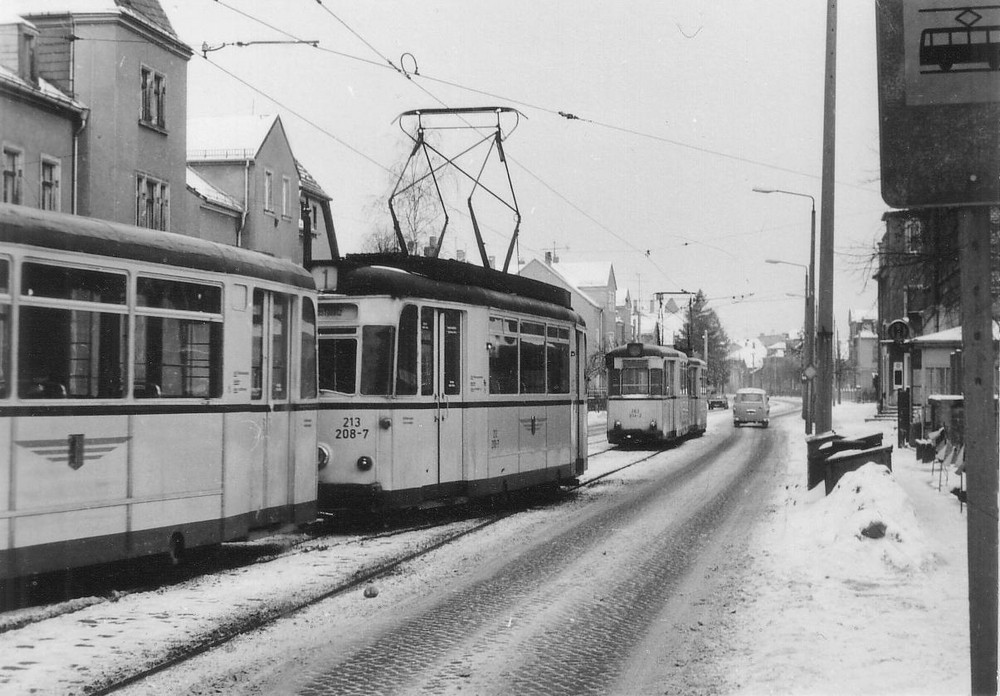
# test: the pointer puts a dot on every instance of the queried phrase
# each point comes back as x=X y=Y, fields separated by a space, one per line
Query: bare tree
x=417 y=206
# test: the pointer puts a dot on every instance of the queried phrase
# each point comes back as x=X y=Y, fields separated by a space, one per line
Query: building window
x=152 y=203
x=912 y=230
x=12 y=175
x=286 y=188
x=49 y=185
x=154 y=97
x=268 y=191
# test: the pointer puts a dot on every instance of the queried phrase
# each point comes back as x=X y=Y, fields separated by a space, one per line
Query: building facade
x=39 y=125
x=123 y=60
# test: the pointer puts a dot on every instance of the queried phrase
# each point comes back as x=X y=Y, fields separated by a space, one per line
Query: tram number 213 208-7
x=350 y=430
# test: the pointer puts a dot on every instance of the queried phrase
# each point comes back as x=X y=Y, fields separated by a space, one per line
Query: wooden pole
x=981 y=453
x=824 y=327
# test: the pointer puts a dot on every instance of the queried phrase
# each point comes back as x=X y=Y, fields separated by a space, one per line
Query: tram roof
x=644 y=350
x=29 y=226
x=445 y=279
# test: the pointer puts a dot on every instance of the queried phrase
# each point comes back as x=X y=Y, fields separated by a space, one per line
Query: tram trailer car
x=441 y=381
x=656 y=394
x=157 y=392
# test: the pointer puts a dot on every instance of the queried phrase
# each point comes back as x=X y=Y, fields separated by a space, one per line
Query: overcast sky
x=684 y=107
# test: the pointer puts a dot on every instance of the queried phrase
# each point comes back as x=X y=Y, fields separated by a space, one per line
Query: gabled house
x=123 y=60
x=250 y=159
x=592 y=290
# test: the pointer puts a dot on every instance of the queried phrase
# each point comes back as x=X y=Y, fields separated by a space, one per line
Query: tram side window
x=532 y=358
x=377 y=347
x=406 y=359
x=656 y=381
x=280 y=312
x=427 y=378
x=338 y=360
x=503 y=356
x=177 y=356
x=71 y=353
x=308 y=386
x=557 y=362
x=452 y=352
x=4 y=329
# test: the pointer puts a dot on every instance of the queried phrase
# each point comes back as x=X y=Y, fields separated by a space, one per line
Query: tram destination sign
x=939 y=102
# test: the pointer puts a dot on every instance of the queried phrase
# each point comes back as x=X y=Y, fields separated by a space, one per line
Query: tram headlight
x=365 y=463
x=652 y=425
x=618 y=425
x=322 y=456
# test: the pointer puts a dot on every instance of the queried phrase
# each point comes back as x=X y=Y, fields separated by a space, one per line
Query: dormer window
x=154 y=98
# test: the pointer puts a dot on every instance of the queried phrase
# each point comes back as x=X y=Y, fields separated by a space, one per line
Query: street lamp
x=810 y=304
x=808 y=352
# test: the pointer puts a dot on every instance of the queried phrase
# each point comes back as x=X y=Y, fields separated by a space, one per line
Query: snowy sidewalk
x=831 y=611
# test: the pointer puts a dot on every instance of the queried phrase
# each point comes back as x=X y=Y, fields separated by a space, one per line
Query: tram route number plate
x=350 y=429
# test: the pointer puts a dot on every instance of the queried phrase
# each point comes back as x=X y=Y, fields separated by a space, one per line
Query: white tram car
x=157 y=392
x=442 y=381
x=655 y=394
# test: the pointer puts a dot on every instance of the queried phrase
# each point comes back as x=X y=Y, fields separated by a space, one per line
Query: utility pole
x=978 y=366
x=824 y=325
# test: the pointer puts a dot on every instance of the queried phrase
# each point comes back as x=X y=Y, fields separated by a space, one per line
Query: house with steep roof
x=593 y=281
x=125 y=62
x=250 y=159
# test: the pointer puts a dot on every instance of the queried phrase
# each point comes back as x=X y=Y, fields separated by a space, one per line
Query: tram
x=442 y=381
x=656 y=394
x=157 y=392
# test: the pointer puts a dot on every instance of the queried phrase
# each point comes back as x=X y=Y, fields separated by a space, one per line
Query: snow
x=823 y=609
x=831 y=610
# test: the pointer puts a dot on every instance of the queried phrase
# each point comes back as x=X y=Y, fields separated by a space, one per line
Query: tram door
x=271 y=464
x=441 y=377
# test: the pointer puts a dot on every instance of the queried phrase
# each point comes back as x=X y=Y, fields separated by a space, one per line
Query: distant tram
x=655 y=395
x=441 y=381
x=157 y=392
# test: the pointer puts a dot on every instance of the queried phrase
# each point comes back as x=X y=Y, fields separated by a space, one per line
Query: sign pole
x=981 y=454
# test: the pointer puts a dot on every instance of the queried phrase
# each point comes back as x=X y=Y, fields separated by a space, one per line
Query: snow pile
x=867 y=519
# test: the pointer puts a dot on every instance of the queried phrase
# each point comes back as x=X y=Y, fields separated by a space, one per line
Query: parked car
x=751 y=406
x=717 y=401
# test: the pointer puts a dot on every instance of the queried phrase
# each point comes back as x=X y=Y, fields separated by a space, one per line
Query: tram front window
x=338 y=362
x=635 y=380
x=377 y=347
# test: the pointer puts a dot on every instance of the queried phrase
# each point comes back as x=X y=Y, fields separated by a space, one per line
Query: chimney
x=493 y=262
x=460 y=255
x=548 y=258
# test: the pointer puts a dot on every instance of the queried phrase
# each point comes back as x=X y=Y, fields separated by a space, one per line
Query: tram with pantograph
x=441 y=381
x=656 y=395
x=157 y=392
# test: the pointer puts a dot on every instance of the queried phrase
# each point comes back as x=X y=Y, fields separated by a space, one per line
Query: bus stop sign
x=939 y=102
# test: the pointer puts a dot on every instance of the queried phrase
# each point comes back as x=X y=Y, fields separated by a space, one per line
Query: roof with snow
x=309 y=184
x=146 y=11
x=947 y=337
x=210 y=193
x=566 y=282
x=44 y=89
x=858 y=315
x=586 y=274
x=228 y=138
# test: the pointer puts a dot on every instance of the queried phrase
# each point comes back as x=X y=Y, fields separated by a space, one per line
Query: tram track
x=221 y=637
